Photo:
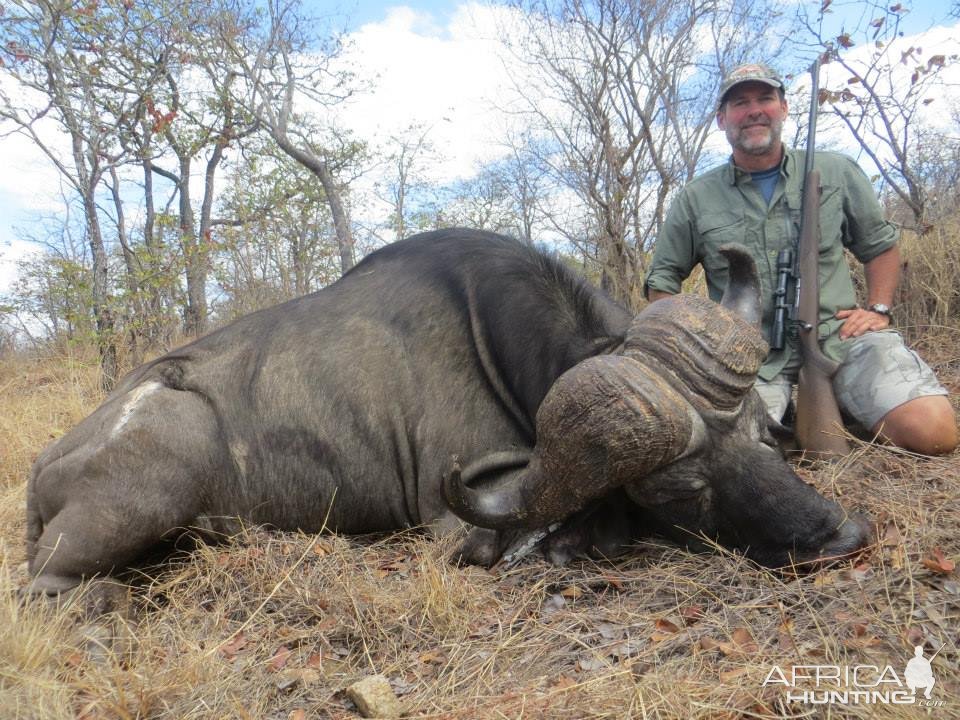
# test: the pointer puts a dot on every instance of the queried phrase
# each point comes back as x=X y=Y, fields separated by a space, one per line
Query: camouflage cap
x=752 y=72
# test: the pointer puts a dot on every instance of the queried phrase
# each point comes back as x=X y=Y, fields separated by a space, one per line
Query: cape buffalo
x=342 y=410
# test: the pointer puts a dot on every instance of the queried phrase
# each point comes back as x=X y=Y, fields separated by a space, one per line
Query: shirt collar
x=733 y=174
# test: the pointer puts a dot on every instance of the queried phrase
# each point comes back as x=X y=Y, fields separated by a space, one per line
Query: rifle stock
x=819 y=427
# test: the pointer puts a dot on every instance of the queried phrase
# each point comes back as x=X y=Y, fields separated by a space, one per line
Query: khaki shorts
x=879 y=374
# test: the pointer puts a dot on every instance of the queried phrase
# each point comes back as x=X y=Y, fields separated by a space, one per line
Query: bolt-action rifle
x=818 y=424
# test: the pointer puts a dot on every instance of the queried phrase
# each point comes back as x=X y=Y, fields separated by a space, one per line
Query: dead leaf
x=785 y=636
x=709 y=643
x=914 y=636
x=74 y=659
x=613 y=582
x=234 y=645
x=298 y=714
x=741 y=643
x=322 y=547
x=862 y=642
x=861 y=571
x=279 y=659
x=936 y=562
x=691 y=614
x=728 y=675
x=665 y=630
x=744 y=641
x=571 y=592
x=433 y=657
x=564 y=682
x=586 y=664
x=665 y=625
x=891 y=535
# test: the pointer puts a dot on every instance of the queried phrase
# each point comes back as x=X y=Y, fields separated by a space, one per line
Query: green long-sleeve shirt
x=724 y=205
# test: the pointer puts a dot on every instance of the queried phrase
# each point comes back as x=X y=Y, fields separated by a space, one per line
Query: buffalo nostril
x=853 y=535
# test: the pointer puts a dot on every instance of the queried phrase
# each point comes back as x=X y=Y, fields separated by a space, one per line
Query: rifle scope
x=782 y=302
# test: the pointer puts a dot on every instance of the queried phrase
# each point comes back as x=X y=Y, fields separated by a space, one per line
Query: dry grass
x=278 y=625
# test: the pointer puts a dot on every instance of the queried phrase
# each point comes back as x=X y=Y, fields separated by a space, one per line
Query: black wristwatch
x=881 y=309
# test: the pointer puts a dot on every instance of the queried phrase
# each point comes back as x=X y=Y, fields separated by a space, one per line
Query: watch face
x=880 y=308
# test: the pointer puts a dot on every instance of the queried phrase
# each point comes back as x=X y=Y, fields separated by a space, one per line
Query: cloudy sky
x=436 y=65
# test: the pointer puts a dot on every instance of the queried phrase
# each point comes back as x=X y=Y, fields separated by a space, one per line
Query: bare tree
x=880 y=87
x=53 y=50
x=403 y=185
x=625 y=89
x=281 y=243
x=280 y=68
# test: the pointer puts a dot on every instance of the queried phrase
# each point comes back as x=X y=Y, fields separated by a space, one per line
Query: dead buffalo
x=342 y=409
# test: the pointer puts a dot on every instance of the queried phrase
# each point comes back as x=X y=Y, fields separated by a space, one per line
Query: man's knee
x=925 y=425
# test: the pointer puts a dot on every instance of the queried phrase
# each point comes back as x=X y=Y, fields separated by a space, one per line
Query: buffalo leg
x=129 y=475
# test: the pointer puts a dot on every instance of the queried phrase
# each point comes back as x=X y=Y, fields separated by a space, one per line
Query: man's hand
x=859 y=321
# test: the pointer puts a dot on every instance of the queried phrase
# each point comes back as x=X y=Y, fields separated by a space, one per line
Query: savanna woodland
x=205 y=171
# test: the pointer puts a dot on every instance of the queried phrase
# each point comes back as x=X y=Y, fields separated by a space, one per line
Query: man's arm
x=883 y=275
x=673 y=253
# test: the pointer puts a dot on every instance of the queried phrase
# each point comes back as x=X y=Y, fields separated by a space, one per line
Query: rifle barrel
x=812 y=120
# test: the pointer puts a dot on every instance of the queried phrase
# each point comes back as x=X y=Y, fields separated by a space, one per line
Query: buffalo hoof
x=96 y=598
x=482 y=547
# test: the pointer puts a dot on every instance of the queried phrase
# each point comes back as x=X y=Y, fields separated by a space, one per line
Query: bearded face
x=752 y=117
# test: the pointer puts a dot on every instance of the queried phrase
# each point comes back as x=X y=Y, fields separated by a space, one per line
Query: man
x=754 y=200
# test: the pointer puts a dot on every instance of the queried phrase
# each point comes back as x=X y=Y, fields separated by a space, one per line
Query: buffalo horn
x=742 y=295
x=606 y=421
x=711 y=352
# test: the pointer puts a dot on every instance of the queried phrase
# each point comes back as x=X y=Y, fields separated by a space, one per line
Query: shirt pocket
x=832 y=232
x=832 y=223
x=718 y=229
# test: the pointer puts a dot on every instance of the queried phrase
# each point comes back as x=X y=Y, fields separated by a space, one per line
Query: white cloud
x=448 y=79
x=10 y=254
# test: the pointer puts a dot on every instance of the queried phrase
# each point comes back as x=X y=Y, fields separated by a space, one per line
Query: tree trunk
x=103 y=314
x=341 y=223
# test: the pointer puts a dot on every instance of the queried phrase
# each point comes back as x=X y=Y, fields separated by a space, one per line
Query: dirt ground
x=277 y=625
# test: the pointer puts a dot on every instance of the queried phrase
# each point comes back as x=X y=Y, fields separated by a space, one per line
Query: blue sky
x=358 y=12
